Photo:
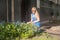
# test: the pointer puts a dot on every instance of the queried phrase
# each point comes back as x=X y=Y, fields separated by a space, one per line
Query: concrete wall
x=17 y=10
x=3 y=10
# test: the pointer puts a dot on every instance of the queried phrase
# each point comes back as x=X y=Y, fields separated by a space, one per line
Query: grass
x=43 y=36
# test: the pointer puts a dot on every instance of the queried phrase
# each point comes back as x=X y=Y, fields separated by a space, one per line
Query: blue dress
x=33 y=18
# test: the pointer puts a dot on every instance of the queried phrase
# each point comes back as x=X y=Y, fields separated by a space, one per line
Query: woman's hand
x=29 y=22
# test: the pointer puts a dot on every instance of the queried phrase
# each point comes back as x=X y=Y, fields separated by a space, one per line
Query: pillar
x=7 y=10
x=12 y=7
x=38 y=7
x=38 y=3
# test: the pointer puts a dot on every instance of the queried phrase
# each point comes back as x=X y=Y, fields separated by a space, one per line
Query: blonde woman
x=35 y=19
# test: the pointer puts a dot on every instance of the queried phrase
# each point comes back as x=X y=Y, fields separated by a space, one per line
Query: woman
x=35 y=19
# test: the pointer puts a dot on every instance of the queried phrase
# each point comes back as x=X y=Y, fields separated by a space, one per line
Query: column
x=38 y=3
x=38 y=7
x=7 y=10
x=12 y=6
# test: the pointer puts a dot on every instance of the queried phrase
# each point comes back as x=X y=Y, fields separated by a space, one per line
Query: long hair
x=36 y=12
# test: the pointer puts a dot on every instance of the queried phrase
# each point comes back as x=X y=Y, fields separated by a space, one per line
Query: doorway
x=25 y=5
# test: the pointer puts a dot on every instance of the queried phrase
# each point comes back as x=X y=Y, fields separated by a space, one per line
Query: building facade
x=15 y=10
x=50 y=8
x=20 y=10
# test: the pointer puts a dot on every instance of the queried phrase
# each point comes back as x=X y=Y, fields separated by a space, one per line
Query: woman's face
x=33 y=10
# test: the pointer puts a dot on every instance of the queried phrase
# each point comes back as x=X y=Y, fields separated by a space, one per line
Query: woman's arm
x=37 y=16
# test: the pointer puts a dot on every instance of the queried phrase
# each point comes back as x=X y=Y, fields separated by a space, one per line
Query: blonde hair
x=34 y=8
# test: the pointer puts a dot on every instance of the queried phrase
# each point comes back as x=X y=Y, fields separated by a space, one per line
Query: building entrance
x=26 y=6
x=24 y=9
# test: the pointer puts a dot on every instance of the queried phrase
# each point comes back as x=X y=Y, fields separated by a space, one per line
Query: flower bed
x=12 y=31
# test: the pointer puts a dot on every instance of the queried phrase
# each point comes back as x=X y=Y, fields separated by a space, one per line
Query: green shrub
x=26 y=30
x=11 y=30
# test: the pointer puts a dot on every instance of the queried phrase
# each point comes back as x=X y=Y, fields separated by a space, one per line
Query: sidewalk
x=54 y=31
